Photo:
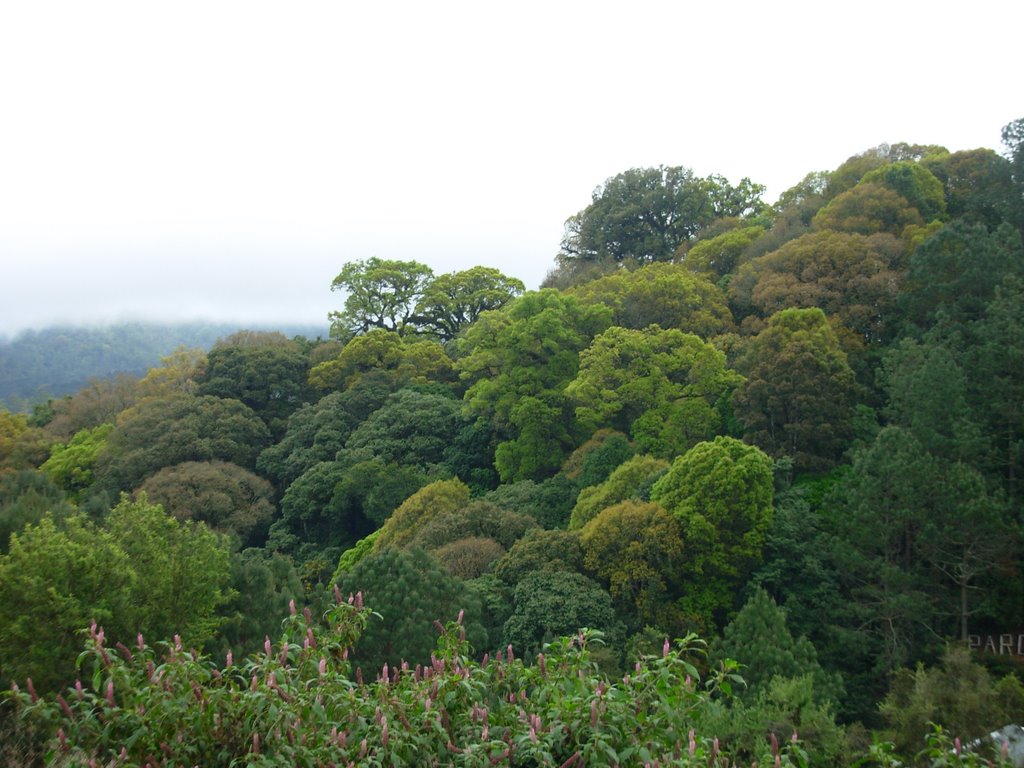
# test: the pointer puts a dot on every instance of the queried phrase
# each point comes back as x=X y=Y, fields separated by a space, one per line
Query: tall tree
x=721 y=494
x=798 y=398
x=645 y=214
x=380 y=293
x=451 y=302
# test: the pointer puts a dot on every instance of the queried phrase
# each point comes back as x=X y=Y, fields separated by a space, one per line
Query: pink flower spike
x=291 y=607
x=693 y=744
x=31 y=690
x=140 y=642
x=230 y=660
x=665 y=648
x=323 y=666
x=337 y=594
x=266 y=645
x=956 y=746
x=462 y=613
x=110 y=694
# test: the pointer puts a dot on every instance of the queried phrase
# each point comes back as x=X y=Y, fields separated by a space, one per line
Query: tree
x=869 y=208
x=71 y=465
x=798 y=397
x=635 y=549
x=449 y=303
x=667 y=295
x=956 y=271
x=26 y=497
x=224 y=496
x=162 y=433
x=1013 y=140
x=720 y=255
x=317 y=432
x=430 y=502
x=395 y=360
x=538 y=551
x=660 y=386
x=645 y=214
x=53 y=582
x=477 y=519
x=759 y=638
x=915 y=183
x=850 y=276
x=547 y=605
x=630 y=480
x=182 y=571
x=411 y=428
x=469 y=557
x=265 y=371
x=979 y=186
x=549 y=502
x=380 y=293
x=721 y=494
x=516 y=363
x=410 y=591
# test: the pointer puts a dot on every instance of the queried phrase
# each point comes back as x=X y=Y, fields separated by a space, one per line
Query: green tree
x=26 y=496
x=630 y=480
x=978 y=185
x=71 y=464
x=798 y=397
x=660 y=386
x=477 y=519
x=667 y=295
x=915 y=183
x=162 y=433
x=266 y=371
x=516 y=364
x=449 y=303
x=956 y=271
x=401 y=360
x=430 y=502
x=759 y=638
x=410 y=591
x=549 y=502
x=411 y=428
x=645 y=214
x=635 y=549
x=541 y=550
x=317 y=432
x=224 y=496
x=721 y=494
x=469 y=557
x=53 y=582
x=549 y=604
x=380 y=293
x=721 y=255
x=182 y=571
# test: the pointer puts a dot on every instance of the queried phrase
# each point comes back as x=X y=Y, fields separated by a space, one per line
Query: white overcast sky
x=223 y=160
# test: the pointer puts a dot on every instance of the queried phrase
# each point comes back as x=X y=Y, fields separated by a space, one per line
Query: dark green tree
x=410 y=591
x=645 y=214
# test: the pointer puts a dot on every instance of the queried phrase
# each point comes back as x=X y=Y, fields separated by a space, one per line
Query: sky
x=223 y=160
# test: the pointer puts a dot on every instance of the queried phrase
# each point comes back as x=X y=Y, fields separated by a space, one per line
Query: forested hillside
x=795 y=430
x=53 y=362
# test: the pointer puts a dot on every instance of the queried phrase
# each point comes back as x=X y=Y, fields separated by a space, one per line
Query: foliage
x=548 y=502
x=401 y=360
x=667 y=295
x=598 y=457
x=411 y=428
x=164 y=432
x=71 y=465
x=798 y=397
x=267 y=372
x=721 y=255
x=645 y=214
x=429 y=503
x=630 y=480
x=957 y=694
x=541 y=550
x=317 y=432
x=721 y=493
x=296 y=704
x=379 y=293
x=548 y=604
x=26 y=496
x=635 y=549
x=450 y=303
x=409 y=590
x=222 y=495
x=478 y=518
x=469 y=557
x=516 y=364
x=660 y=386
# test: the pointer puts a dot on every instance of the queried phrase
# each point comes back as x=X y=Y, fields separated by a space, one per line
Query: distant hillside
x=53 y=362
